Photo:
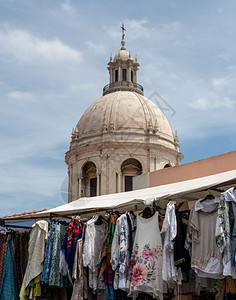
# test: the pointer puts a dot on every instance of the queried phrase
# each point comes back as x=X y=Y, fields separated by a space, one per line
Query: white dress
x=146 y=261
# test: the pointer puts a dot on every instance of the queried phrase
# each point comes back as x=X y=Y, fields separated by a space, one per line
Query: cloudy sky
x=53 y=57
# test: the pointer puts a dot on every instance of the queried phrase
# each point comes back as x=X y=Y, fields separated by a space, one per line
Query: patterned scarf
x=104 y=265
x=68 y=248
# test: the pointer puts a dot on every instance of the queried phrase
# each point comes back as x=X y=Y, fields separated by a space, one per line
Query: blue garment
x=110 y=293
x=48 y=256
x=55 y=277
x=8 y=289
x=68 y=248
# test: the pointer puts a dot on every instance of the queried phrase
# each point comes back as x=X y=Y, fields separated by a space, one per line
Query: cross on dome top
x=123 y=37
x=123 y=31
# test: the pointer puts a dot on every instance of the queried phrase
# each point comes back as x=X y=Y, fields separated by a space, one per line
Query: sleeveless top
x=146 y=260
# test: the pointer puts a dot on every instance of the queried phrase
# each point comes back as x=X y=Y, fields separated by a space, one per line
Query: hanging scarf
x=68 y=248
x=104 y=265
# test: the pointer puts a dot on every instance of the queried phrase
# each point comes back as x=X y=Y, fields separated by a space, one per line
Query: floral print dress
x=146 y=261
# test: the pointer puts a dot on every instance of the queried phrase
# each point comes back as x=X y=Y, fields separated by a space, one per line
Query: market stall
x=160 y=242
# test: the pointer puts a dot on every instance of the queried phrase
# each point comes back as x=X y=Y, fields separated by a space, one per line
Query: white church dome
x=125 y=113
x=121 y=135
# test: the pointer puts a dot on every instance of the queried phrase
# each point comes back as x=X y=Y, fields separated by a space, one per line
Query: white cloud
x=226 y=82
x=98 y=49
x=137 y=29
x=32 y=178
x=22 y=96
x=222 y=57
x=24 y=46
x=201 y=103
x=220 y=82
x=212 y=101
x=67 y=7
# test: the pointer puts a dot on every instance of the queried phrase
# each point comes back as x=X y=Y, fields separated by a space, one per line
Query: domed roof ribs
x=141 y=102
x=150 y=124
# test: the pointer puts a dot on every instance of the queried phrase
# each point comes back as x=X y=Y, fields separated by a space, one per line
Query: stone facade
x=121 y=135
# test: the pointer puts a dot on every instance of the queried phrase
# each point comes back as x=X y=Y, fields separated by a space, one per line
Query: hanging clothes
x=181 y=255
x=48 y=257
x=170 y=273
x=3 y=251
x=36 y=250
x=224 y=229
x=79 y=290
x=20 y=249
x=104 y=265
x=146 y=261
x=68 y=248
x=93 y=243
x=119 y=253
x=55 y=277
x=206 y=258
x=8 y=289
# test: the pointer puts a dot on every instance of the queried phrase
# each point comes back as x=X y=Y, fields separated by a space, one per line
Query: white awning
x=180 y=191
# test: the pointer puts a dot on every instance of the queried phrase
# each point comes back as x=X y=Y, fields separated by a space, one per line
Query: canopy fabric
x=146 y=196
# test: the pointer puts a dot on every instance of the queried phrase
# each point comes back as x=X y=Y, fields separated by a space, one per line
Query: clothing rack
x=15 y=226
x=216 y=190
x=58 y=216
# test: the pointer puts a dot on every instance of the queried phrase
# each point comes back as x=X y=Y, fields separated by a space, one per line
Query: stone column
x=135 y=76
x=69 y=183
x=110 y=75
x=98 y=184
x=128 y=75
x=148 y=160
x=119 y=74
x=119 y=181
x=74 y=181
x=79 y=187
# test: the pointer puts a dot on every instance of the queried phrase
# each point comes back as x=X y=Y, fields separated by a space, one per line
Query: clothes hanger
x=132 y=213
x=208 y=197
x=172 y=202
x=146 y=213
x=101 y=220
x=93 y=219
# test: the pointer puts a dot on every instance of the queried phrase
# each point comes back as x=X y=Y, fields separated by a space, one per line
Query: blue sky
x=53 y=58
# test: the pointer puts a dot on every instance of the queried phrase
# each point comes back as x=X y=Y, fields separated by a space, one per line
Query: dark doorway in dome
x=128 y=183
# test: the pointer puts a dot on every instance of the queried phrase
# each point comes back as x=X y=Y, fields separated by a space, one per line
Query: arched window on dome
x=167 y=166
x=89 y=181
x=130 y=167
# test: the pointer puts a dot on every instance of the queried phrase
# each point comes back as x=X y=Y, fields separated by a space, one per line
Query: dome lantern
x=123 y=71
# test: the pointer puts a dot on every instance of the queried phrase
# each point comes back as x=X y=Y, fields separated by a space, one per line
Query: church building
x=121 y=135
